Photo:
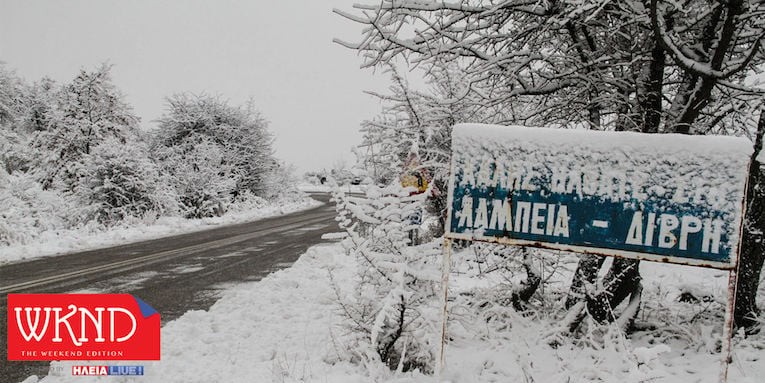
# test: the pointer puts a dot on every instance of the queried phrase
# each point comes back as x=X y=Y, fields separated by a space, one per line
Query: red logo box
x=81 y=327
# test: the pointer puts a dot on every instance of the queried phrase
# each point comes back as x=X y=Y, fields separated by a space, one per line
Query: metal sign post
x=665 y=198
x=446 y=263
x=728 y=326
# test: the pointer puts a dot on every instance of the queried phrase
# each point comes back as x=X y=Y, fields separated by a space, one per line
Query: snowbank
x=55 y=242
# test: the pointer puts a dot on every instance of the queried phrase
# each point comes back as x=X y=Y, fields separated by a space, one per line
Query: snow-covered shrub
x=280 y=183
x=70 y=120
x=28 y=210
x=14 y=150
x=392 y=312
x=120 y=181
x=240 y=133
x=196 y=168
x=11 y=96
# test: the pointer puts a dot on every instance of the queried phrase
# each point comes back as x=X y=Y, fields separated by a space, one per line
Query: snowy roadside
x=286 y=328
x=278 y=329
x=54 y=243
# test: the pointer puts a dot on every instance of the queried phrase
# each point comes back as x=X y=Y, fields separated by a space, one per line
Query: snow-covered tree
x=753 y=240
x=632 y=65
x=241 y=134
x=393 y=306
x=11 y=96
x=603 y=64
x=412 y=136
x=280 y=182
x=196 y=167
x=120 y=181
x=68 y=122
x=13 y=148
x=72 y=154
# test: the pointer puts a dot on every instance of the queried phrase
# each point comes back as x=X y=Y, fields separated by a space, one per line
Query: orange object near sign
x=414 y=175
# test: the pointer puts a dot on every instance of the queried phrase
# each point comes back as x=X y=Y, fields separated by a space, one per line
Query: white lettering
x=590 y=183
x=483 y=178
x=667 y=239
x=65 y=321
x=112 y=310
x=514 y=181
x=32 y=327
x=550 y=219
x=97 y=323
x=689 y=225
x=522 y=211
x=481 y=216
x=467 y=176
x=574 y=184
x=527 y=185
x=501 y=213
x=466 y=215
x=635 y=232
x=558 y=182
x=561 y=224
x=711 y=236
x=499 y=174
x=649 y=229
x=536 y=218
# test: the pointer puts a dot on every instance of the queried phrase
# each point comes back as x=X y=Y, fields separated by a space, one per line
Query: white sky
x=280 y=53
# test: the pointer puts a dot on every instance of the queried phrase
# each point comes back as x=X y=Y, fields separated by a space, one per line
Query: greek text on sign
x=673 y=198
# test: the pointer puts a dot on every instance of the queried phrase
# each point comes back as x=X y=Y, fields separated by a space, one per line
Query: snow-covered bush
x=28 y=210
x=280 y=183
x=69 y=121
x=121 y=181
x=11 y=99
x=241 y=134
x=196 y=168
x=392 y=312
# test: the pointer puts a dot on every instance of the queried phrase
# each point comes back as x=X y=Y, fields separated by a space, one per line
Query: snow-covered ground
x=133 y=230
x=287 y=328
x=278 y=329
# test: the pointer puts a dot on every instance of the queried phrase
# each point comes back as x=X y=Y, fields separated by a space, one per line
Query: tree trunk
x=650 y=100
x=521 y=295
x=586 y=272
x=753 y=241
x=622 y=280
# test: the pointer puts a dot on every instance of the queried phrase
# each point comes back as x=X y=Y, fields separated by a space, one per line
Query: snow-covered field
x=132 y=230
x=287 y=328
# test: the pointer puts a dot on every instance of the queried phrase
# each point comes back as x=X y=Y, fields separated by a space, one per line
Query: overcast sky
x=280 y=53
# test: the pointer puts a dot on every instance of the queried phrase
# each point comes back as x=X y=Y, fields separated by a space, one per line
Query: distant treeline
x=73 y=154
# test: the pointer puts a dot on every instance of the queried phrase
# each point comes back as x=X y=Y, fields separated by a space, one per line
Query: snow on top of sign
x=689 y=144
x=666 y=166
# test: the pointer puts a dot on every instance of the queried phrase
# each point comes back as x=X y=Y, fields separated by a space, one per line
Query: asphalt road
x=173 y=274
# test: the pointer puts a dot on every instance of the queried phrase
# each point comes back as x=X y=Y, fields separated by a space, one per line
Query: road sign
x=671 y=198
